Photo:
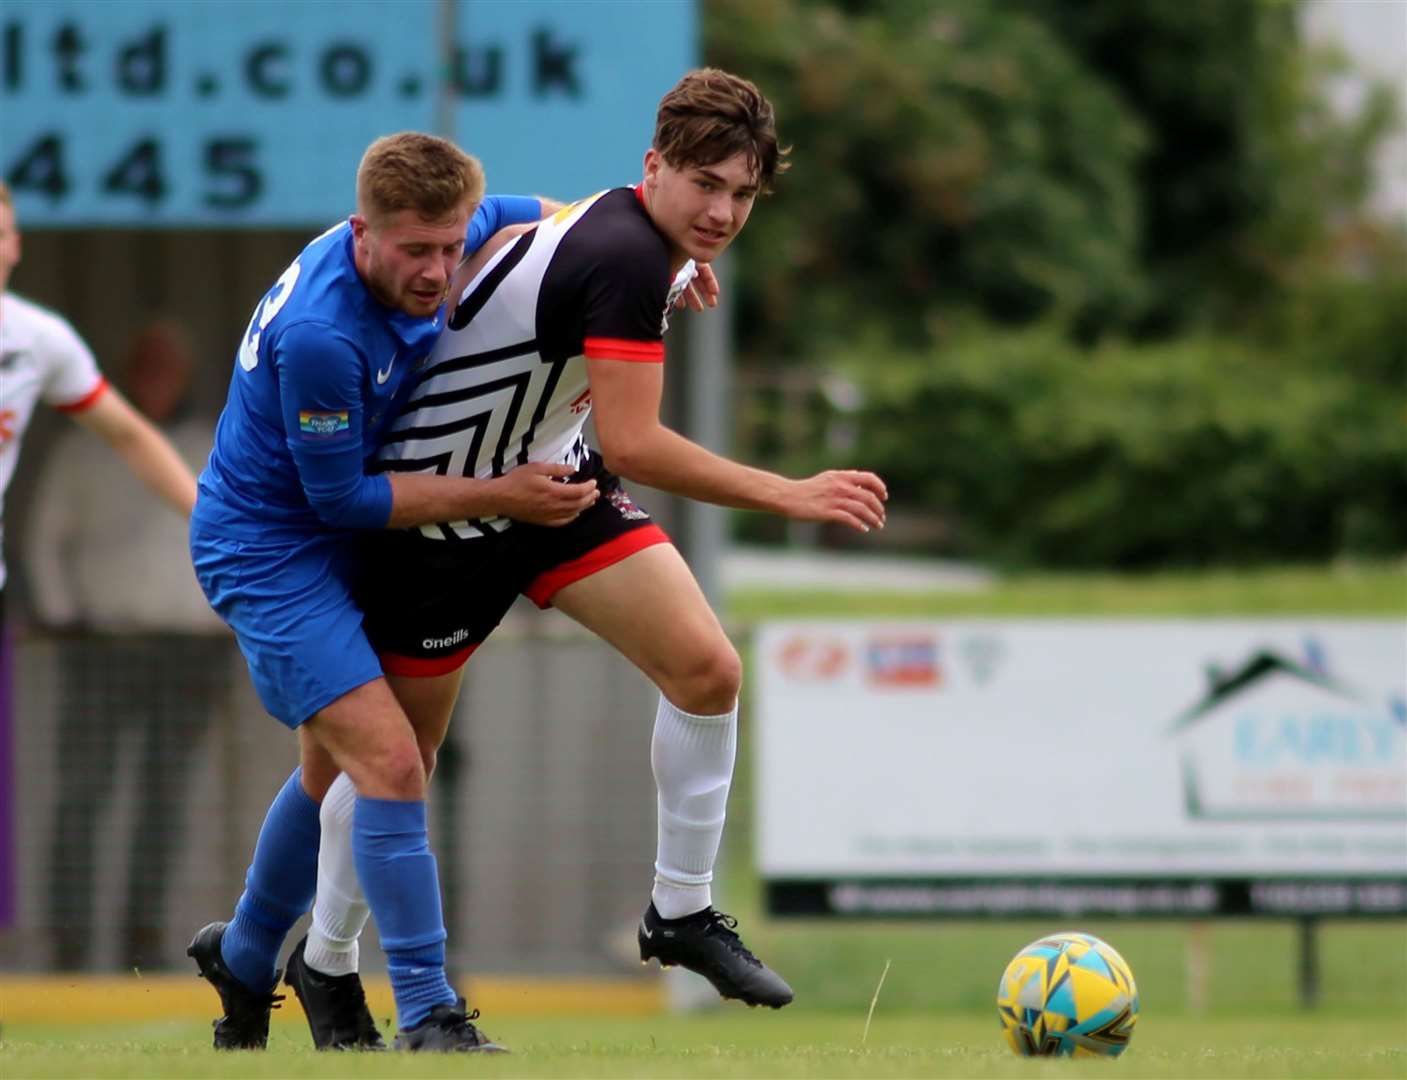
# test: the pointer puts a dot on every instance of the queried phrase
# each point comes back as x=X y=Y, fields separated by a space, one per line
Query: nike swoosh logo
x=382 y=376
x=646 y=931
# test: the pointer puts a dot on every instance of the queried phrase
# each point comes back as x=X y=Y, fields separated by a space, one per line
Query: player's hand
x=847 y=496
x=702 y=292
x=534 y=493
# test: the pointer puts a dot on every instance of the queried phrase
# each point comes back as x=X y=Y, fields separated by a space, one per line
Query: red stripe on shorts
x=640 y=352
x=545 y=585
x=420 y=667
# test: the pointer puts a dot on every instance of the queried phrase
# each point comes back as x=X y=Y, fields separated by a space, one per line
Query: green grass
x=935 y=1016
x=740 y=1043
x=1348 y=589
x=946 y=967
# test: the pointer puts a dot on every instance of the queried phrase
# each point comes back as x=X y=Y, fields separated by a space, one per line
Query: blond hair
x=413 y=171
x=710 y=115
x=5 y=198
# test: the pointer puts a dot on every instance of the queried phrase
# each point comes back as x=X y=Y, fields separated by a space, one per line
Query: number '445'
x=139 y=171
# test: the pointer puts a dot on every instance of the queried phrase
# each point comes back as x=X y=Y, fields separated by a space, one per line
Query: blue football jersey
x=316 y=377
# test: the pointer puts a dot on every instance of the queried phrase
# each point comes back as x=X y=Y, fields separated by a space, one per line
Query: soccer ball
x=1067 y=995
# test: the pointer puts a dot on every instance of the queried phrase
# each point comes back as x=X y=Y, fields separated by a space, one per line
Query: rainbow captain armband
x=323 y=425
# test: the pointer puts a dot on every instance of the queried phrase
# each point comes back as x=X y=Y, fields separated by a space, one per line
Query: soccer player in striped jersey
x=564 y=320
x=316 y=376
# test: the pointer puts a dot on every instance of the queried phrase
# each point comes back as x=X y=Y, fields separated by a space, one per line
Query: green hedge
x=1194 y=452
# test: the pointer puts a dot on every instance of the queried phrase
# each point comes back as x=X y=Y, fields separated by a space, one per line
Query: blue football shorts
x=290 y=605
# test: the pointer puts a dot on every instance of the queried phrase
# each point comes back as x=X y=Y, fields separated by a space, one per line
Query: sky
x=1374 y=33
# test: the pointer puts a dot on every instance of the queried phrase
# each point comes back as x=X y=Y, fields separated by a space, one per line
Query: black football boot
x=245 y=1025
x=447 y=1029
x=707 y=945
x=335 y=1006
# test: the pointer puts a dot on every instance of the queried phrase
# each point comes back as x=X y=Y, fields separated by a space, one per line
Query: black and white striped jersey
x=506 y=382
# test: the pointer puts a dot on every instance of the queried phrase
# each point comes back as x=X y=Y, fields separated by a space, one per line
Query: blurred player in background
x=43 y=359
x=315 y=380
x=143 y=660
x=565 y=321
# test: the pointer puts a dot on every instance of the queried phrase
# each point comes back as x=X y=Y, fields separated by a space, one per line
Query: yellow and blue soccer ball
x=1067 y=995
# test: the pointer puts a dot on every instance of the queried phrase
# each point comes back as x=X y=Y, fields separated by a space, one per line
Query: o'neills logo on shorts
x=458 y=637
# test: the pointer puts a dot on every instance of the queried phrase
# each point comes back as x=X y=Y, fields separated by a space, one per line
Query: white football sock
x=340 y=910
x=692 y=757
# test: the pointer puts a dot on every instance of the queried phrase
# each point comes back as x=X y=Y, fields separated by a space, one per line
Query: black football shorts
x=429 y=603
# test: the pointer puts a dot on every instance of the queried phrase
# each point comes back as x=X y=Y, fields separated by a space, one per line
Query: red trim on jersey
x=87 y=400
x=639 y=190
x=418 y=667
x=607 y=348
x=545 y=586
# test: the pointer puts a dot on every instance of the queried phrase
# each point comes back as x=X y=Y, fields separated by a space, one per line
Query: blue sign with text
x=256 y=112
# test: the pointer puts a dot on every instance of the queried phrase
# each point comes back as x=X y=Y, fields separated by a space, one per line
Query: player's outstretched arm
x=145 y=450
x=625 y=405
x=532 y=493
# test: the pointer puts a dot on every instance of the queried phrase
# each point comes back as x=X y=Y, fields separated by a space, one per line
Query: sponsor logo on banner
x=813 y=658
x=1281 y=738
x=983 y=654
x=907 y=661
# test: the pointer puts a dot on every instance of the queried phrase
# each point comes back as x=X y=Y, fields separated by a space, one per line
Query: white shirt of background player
x=42 y=358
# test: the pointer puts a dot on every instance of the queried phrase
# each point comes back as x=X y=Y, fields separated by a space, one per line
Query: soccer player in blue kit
x=318 y=374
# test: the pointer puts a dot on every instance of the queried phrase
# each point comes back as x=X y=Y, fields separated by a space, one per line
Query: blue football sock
x=278 y=888
x=391 y=849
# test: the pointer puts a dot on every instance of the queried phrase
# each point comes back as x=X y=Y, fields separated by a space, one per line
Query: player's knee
x=710 y=684
x=398 y=772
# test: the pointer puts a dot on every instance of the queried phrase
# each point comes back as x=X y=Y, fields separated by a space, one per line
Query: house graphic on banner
x=1279 y=739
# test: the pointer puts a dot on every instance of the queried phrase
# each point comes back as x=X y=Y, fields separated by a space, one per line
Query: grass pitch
x=1374 y=588
x=935 y=1017
x=735 y=1042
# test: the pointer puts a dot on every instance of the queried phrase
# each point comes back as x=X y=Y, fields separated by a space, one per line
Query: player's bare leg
x=650 y=607
x=319 y=769
x=429 y=704
x=372 y=740
x=323 y=969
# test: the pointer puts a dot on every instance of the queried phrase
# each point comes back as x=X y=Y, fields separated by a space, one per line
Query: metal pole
x=1309 y=961
x=707 y=421
x=447 y=27
x=453 y=765
x=1199 y=954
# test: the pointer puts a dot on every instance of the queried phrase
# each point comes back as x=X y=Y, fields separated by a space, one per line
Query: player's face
x=9 y=243
x=699 y=208
x=406 y=261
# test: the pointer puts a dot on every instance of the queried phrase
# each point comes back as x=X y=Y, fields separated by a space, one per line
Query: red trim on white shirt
x=88 y=400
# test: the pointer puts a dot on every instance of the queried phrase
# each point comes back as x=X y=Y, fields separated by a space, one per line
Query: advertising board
x=975 y=767
x=256 y=112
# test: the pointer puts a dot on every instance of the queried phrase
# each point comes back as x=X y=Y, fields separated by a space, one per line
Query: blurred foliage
x=1100 y=271
x=1192 y=452
x=945 y=157
x=1248 y=171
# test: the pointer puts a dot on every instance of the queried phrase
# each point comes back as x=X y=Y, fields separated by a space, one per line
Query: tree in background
x=1100 y=272
x=951 y=160
x=1249 y=174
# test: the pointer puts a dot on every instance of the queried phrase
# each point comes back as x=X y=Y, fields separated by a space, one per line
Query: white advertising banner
x=1269 y=753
